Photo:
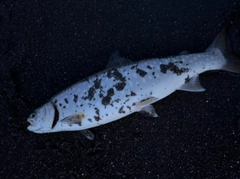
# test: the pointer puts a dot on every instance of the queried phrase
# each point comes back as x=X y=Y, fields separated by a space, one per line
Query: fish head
x=41 y=119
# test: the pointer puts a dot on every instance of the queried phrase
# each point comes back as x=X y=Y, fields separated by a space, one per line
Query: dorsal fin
x=116 y=61
x=184 y=52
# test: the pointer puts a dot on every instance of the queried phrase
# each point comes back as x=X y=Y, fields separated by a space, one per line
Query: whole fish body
x=126 y=87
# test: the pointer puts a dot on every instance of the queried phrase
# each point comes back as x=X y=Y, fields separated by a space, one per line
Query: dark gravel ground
x=45 y=46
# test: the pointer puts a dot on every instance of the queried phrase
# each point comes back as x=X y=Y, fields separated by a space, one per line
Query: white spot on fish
x=143 y=80
x=149 y=77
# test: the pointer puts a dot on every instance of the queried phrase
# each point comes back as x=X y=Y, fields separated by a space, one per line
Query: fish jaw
x=39 y=129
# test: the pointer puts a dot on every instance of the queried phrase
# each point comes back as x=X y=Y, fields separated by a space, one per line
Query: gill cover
x=42 y=119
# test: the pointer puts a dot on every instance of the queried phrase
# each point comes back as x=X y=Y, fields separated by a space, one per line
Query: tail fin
x=232 y=61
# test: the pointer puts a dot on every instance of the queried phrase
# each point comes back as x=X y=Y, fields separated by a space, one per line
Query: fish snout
x=32 y=127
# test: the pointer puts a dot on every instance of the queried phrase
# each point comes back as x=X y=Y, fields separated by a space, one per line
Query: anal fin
x=146 y=108
x=192 y=85
x=149 y=111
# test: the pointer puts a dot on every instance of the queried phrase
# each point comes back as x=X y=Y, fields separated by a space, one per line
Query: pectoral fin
x=74 y=119
x=192 y=85
x=88 y=134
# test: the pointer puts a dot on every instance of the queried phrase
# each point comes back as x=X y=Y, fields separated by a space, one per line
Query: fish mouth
x=32 y=127
x=31 y=122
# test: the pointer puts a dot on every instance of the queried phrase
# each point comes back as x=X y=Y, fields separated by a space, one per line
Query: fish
x=126 y=87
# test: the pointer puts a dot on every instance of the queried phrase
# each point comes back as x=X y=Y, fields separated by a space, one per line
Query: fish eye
x=32 y=115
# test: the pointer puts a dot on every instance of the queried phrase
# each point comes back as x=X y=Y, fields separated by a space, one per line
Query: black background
x=45 y=46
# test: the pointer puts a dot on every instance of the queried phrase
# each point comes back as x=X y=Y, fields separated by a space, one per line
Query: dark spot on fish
x=132 y=94
x=133 y=104
x=97 y=83
x=149 y=67
x=121 y=81
x=134 y=66
x=64 y=106
x=106 y=100
x=172 y=67
x=115 y=74
x=56 y=116
x=187 y=79
x=178 y=62
x=151 y=93
x=89 y=119
x=153 y=73
x=97 y=111
x=81 y=105
x=129 y=108
x=55 y=101
x=75 y=98
x=126 y=101
x=121 y=110
x=142 y=73
x=110 y=92
x=187 y=64
x=120 y=86
x=106 y=114
x=66 y=101
x=91 y=92
x=97 y=118
x=101 y=95
x=117 y=100
x=60 y=104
